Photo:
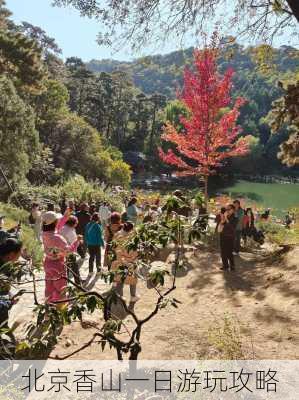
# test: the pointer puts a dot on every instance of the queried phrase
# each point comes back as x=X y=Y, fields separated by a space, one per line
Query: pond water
x=277 y=196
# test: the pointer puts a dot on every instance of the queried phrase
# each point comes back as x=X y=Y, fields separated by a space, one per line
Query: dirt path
x=260 y=298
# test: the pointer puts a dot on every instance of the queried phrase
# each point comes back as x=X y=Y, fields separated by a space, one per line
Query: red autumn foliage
x=210 y=132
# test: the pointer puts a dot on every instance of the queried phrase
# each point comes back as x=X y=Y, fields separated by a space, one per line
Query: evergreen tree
x=18 y=137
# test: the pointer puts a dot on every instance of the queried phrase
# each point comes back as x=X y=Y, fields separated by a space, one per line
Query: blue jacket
x=94 y=234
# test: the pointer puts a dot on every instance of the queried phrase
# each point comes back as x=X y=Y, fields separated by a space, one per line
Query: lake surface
x=276 y=196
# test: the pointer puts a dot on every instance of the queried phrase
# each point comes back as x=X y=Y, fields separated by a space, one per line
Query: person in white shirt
x=69 y=230
x=105 y=214
x=69 y=233
x=37 y=220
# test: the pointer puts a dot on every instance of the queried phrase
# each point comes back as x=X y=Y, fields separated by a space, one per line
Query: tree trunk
x=134 y=352
x=153 y=129
x=206 y=191
x=294 y=6
x=9 y=185
x=119 y=354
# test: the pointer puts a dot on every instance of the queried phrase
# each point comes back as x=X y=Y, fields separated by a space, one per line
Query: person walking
x=56 y=250
x=105 y=214
x=239 y=215
x=227 y=230
x=132 y=211
x=94 y=241
x=68 y=231
x=83 y=217
x=248 y=224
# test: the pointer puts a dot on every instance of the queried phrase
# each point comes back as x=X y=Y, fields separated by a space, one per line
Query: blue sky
x=75 y=35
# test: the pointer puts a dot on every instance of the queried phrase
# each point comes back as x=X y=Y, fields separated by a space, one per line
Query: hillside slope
x=252 y=313
x=163 y=73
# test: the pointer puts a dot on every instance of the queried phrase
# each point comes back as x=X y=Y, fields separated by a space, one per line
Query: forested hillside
x=163 y=73
x=42 y=141
x=60 y=118
x=255 y=79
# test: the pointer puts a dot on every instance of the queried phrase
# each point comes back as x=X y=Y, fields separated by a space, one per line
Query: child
x=127 y=259
x=68 y=231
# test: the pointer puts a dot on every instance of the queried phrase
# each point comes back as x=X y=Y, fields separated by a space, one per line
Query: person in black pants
x=94 y=256
x=94 y=241
x=227 y=229
x=73 y=269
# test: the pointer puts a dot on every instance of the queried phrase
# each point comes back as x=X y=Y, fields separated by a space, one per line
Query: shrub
x=225 y=337
x=279 y=234
x=77 y=188
x=74 y=188
x=199 y=200
x=120 y=173
x=25 y=194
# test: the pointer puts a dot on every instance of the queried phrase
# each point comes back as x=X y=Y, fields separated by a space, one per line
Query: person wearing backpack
x=94 y=241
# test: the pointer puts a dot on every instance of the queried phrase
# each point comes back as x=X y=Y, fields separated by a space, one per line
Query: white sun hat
x=49 y=217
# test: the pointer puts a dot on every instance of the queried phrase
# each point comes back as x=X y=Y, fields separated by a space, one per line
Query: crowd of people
x=68 y=234
x=233 y=224
x=85 y=229
x=71 y=232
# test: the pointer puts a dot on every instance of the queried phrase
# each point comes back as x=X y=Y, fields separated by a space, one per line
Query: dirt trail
x=261 y=298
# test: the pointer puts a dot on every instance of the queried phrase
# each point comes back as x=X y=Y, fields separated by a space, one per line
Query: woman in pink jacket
x=56 y=249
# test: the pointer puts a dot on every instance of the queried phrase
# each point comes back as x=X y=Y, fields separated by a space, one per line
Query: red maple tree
x=209 y=134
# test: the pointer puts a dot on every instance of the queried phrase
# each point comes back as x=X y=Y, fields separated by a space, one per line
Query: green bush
x=279 y=234
x=120 y=174
x=199 y=200
x=26 y=194
x=77 y=188
x=74 y=188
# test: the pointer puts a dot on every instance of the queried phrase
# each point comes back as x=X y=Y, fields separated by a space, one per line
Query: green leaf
x=22 y=346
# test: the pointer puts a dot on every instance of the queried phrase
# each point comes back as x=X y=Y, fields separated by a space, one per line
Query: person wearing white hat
x=56 y=249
